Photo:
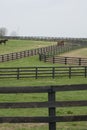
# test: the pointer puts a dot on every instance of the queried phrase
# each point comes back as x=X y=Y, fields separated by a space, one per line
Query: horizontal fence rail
x=26 y=53
x=43 y=72
x=59 y=49
x=51 y=50
x=51 y=104
x=63 y=60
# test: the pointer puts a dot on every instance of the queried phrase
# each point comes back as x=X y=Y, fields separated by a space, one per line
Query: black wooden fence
x=63 y=60
x=43 y=72
x=26 y=53
x=52 y=50
x=51 y=104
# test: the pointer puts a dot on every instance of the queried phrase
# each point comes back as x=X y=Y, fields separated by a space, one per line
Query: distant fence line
x=26 y=53
x=53 y=49
x=63 y=60
x=43 y=72
x=51 y=104
x=79 y=41
x=61 y=49
x=41 y=38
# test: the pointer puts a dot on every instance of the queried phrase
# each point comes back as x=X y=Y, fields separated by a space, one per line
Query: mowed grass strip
x=21 y=45
x=77 y=53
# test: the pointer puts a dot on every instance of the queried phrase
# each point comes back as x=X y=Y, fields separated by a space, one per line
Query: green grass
x=42 y=82
x=21 y=45
x=60 y=126
x=77 y=53
x=33 y=61
x=27 y=62
x=78 y=95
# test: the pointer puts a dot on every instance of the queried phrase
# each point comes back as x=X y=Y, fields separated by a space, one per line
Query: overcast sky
x=57 y=18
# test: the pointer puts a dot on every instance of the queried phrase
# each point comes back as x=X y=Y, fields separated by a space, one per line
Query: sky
x=50 y=18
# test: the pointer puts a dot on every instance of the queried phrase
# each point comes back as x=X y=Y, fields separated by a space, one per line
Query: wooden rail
x=52 y=50
x=26 y=53
x=51 y=104
x=63 y=60
x=43 y=72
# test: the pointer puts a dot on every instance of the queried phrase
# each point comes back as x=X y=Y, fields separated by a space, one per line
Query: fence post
x=65 y=60
x=35 y=51
x=2 y=58
x=69 y=72
x=36 y=72
x=53 y=72
x=52 y=110
x=12 y=56
x=31 y=52
x=79 y=61
x=85 y=71
x=24 y=53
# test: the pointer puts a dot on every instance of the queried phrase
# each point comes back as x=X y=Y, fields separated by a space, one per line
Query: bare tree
x=3 y=31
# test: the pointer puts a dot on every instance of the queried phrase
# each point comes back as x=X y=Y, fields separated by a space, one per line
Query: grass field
x=77 y=53
x=33 y=61
x=21 y=45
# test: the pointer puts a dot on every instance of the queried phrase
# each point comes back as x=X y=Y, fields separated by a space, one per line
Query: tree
x=3 y=31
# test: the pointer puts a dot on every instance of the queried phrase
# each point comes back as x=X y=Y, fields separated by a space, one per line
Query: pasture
x=34 y=61
x=21 y=45
x=77 y=53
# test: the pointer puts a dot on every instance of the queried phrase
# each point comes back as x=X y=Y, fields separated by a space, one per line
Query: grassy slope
x=21 y=45
x=33 y=61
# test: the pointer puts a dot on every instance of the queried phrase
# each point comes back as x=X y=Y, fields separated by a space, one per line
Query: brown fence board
x=37 y=72
x=42 y=89
x=43 y=104
x=26 y=53
x=51 y=104
x=43 y=119
x=64 y=60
